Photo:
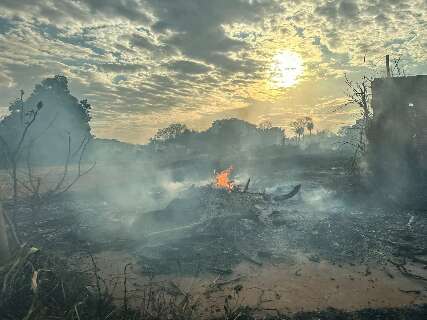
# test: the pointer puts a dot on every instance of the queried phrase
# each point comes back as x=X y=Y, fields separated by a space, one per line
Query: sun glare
x=287 y=67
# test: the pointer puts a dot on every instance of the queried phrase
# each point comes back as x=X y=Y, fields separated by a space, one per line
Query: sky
x=144 y=64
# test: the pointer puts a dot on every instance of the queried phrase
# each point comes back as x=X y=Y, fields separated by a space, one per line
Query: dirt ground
x=302 y=286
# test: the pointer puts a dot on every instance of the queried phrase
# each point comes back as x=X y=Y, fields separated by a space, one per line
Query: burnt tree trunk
x=4 y=241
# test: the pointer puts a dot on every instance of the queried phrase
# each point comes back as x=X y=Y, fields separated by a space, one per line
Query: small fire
x=222 y=180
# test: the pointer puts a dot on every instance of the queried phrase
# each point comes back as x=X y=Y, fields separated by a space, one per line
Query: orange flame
x=222 y=180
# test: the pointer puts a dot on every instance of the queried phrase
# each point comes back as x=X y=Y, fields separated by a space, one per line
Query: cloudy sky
x=146 y=63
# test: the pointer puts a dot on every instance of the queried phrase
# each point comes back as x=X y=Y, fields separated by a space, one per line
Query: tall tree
x=171 y=132
x=62 y=115
x=298 y=126
x=265 y=125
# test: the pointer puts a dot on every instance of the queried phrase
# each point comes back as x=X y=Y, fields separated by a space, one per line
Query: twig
x=125 y=297
x=77 y=311
x=12 y=227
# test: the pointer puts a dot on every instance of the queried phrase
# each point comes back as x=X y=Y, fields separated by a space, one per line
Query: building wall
x=400 y=115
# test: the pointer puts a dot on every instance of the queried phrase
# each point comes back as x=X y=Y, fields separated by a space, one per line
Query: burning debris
x=215 y=226
x=222 y=180
x=198 y=204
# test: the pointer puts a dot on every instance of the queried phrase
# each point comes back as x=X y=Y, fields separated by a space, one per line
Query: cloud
x=120 y=68
x=197 y=25
x=141 y=42
x=129 y=9
x=184 y=66
x=348 y=9
x=343 y=11
x=6 y=25
x=328 y=9
x=61 y=12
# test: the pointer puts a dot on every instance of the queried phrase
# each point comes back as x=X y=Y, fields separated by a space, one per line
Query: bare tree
x=42 y=191
x=359 y=93
x=39 y=191
x=398 y=70
x=12 y=154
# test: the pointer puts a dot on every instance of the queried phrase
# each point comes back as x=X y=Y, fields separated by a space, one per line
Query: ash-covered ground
x=183 y=227
x=207 y=229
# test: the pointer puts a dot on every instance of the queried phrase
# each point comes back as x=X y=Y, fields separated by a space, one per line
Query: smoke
x=131 y=182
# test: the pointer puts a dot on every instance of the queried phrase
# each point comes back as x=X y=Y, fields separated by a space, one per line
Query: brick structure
x=399 y=130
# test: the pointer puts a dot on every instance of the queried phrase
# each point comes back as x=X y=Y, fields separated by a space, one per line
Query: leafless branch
x=67 y=162
x=80 y=173
x=60 y=187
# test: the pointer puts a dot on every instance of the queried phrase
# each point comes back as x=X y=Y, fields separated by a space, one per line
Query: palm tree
x=298 y=127
x=309 y=124
x=265 y=125
x=300 y=132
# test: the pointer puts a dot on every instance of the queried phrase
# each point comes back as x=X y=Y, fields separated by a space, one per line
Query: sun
x=286 y=69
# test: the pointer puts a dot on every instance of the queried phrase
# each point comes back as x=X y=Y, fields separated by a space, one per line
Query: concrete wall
x=400 y=113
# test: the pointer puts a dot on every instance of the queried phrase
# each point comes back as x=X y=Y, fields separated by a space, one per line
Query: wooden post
x=387 y=65
x=4 y=240
x=247 y=185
